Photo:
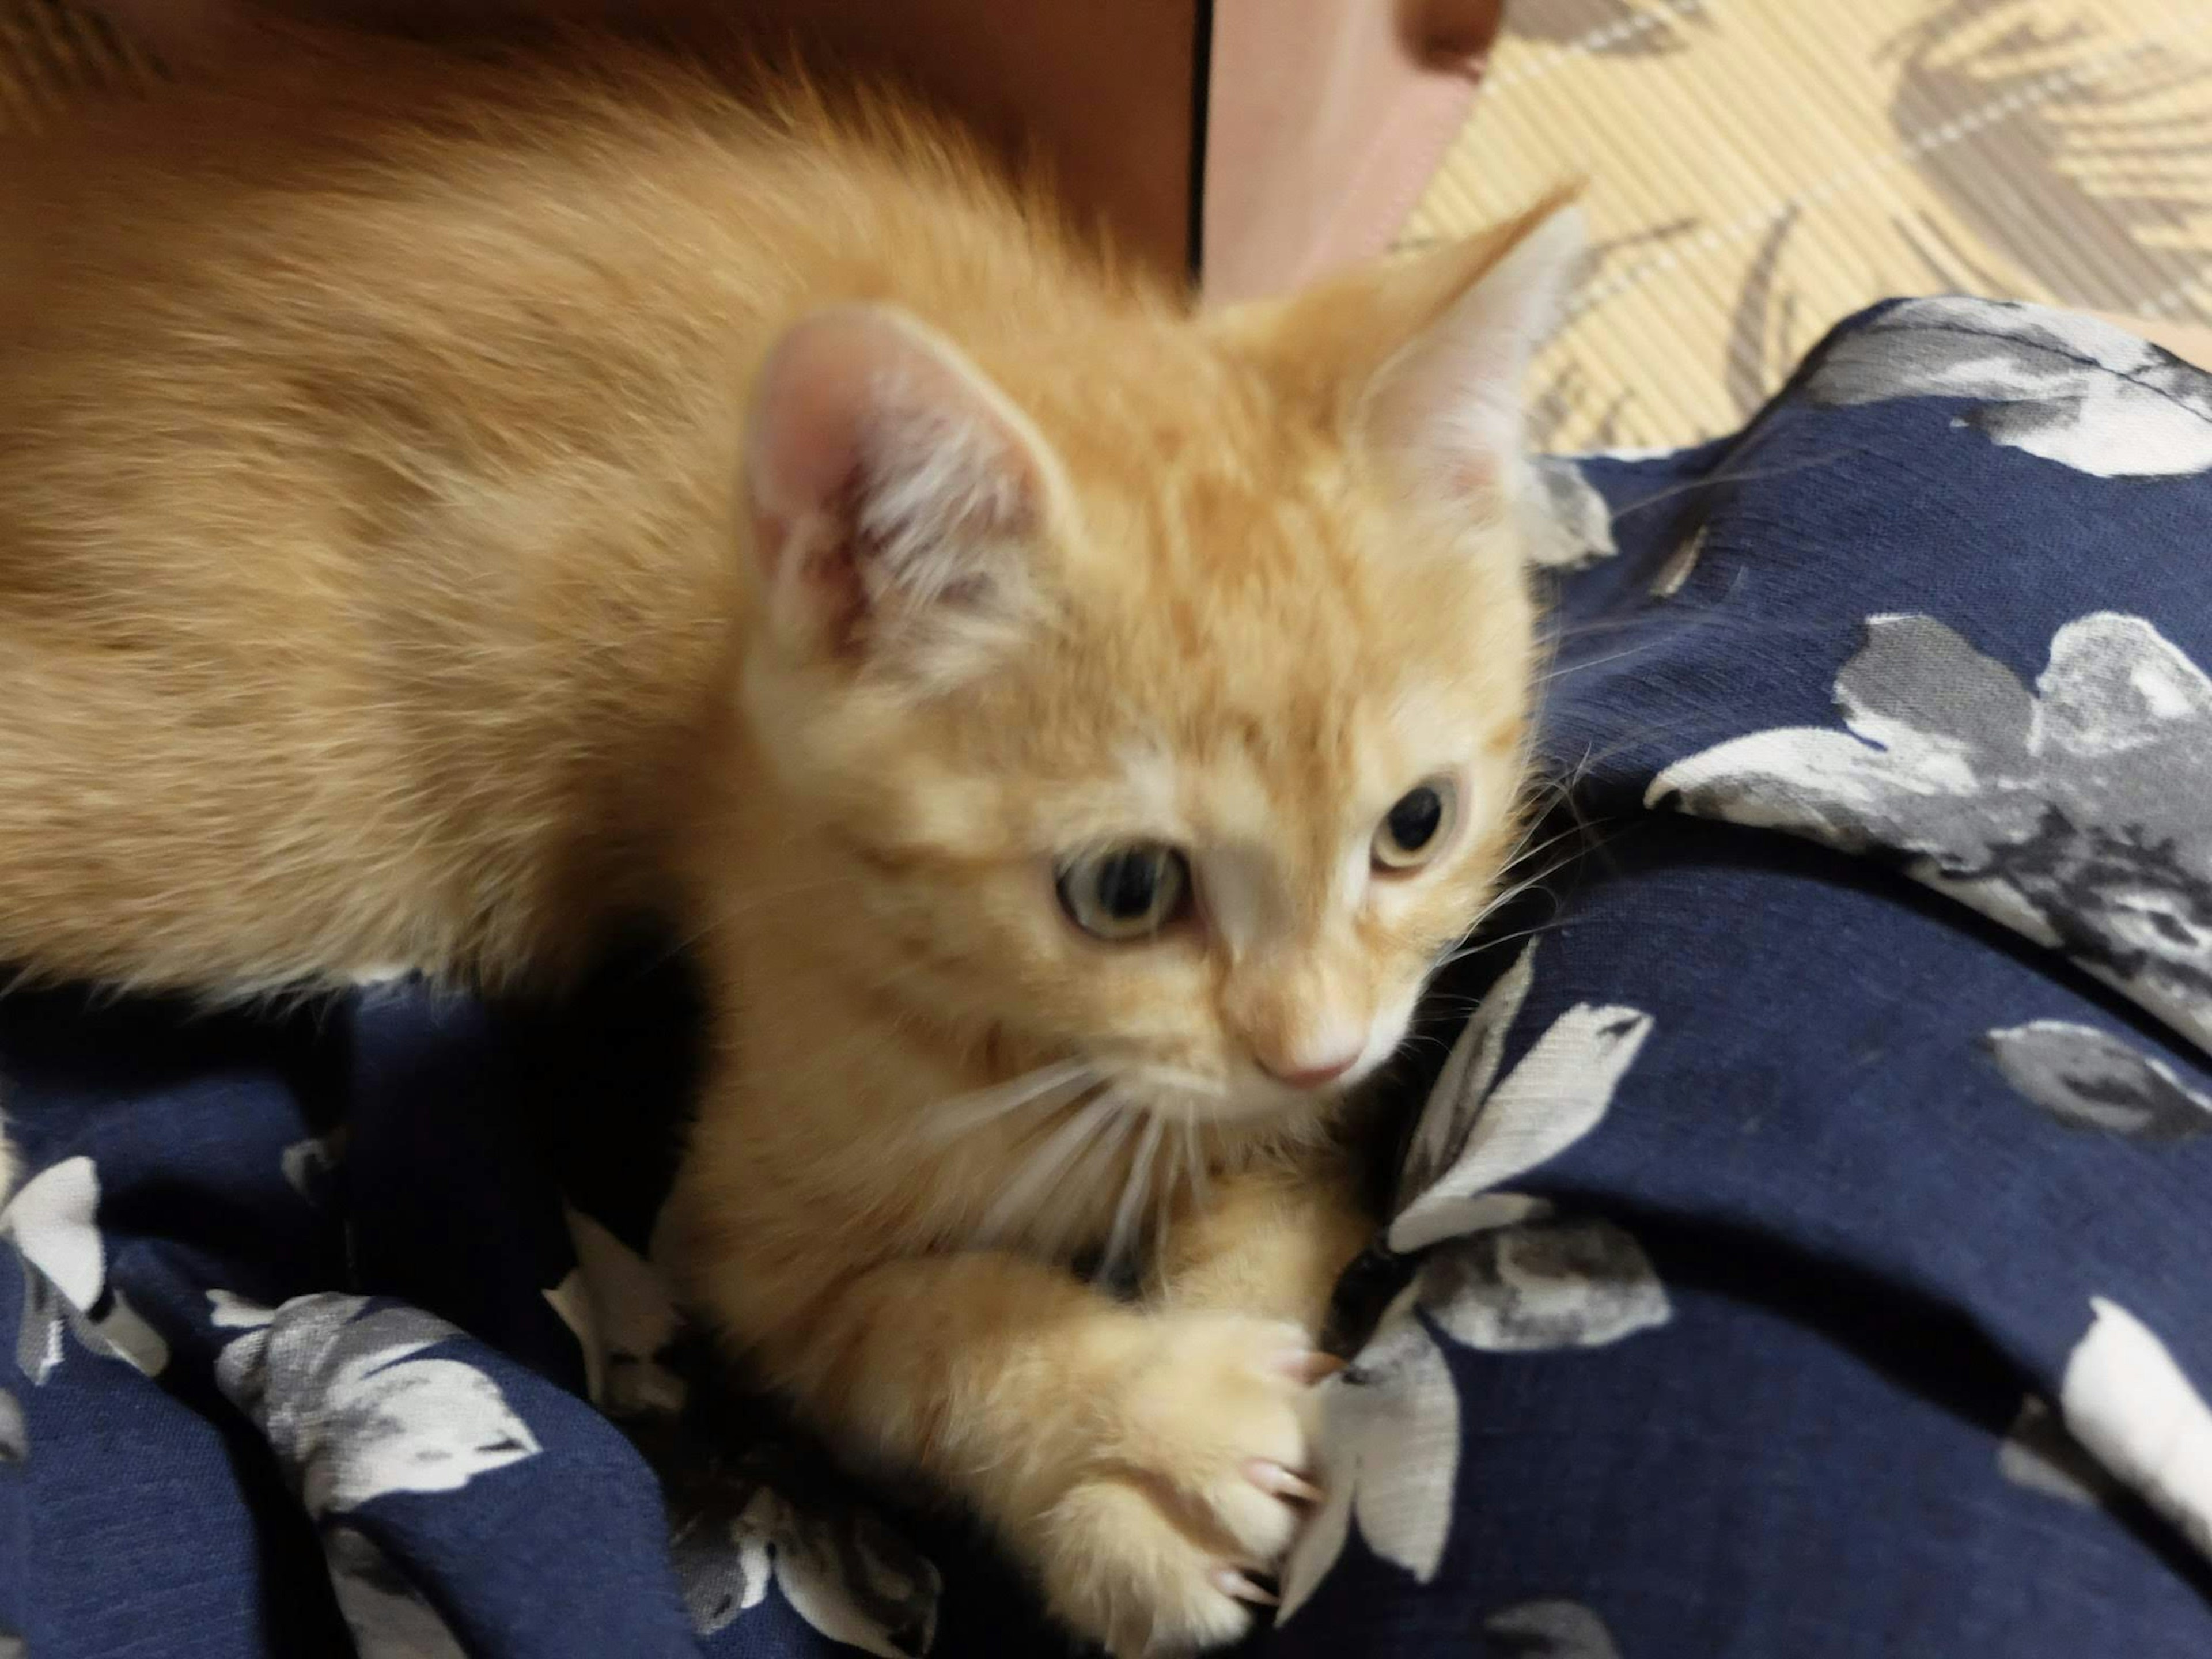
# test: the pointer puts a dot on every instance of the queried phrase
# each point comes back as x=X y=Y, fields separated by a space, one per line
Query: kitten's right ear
x=1452 y=402
x=1424 y=357
x=894 y=493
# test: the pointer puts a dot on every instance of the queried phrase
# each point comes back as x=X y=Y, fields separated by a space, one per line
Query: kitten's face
x=1212 y=835
x=1205 y=743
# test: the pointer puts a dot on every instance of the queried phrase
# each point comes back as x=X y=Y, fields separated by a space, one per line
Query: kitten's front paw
x=1196 y=1481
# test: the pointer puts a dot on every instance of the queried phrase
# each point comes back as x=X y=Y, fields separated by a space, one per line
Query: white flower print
x=1389 y=1456
x=2066 y=387
x=1504 y=1273
x=2087 y=1078
x=1390 y=1439
x=2131 y=1407
x=619 y=1307
x=52 y=1222
x=1476 y=1132
x=2079 y=813
x=352 y=1408
x=850 y=1577
x=355 y=1412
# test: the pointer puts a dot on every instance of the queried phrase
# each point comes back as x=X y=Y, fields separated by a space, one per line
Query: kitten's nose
x=1316 y=1077
x=1301 y=1031
x=1312 y=1068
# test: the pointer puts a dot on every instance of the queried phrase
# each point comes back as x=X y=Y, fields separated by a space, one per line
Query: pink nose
x=1315 y=1076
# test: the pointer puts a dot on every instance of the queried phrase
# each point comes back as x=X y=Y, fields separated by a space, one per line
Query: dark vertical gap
x=1202 y=93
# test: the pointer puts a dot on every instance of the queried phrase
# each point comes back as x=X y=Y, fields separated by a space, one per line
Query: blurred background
x=1758 y=168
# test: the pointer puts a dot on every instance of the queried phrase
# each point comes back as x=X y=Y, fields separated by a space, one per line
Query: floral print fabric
x=1795 y=1251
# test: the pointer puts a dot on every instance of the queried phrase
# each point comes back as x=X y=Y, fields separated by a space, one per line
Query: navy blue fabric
x=1795 y=1344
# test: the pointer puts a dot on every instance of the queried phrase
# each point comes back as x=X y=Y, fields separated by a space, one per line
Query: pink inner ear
x=810 y=416
x=884 y=475
x=1473 y=476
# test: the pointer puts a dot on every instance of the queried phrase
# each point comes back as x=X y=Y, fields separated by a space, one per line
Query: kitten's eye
x=1125 y=892
x=1411 y=831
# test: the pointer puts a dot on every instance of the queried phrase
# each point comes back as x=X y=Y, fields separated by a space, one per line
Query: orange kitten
x=444 y=504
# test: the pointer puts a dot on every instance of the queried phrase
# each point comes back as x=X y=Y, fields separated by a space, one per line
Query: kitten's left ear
x=1426 y=357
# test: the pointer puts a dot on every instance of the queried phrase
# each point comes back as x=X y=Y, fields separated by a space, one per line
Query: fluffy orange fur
x=446 y=503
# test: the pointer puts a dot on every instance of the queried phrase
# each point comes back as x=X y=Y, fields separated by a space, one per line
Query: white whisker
x=1128 y=1214
x=1053 y=1085
x=1094 y=1165
x=1516 y=891
x=1170 y=1185
x=1530 y=846
x=1156 y=1079
x=1041 y=1173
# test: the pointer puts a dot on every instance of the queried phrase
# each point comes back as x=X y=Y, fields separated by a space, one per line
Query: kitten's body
x=424 y=534
x=351 y=415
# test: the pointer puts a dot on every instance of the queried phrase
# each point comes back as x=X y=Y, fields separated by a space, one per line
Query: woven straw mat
x=1760 y=168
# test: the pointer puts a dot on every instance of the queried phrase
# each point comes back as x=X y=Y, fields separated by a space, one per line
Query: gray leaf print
x=39 y=1337
x=52 y=1222
x=860 y=1584
x=849 y=1575
x=388 y=1617
x=1544 y=1285
x=2078 y=813
x=2068 y=388
x=723 y=1571
x=1524 y=1280
x=2038 y=1455
x=309 y=1164
x=1390 y=1421
x=352 y=1408
x=2089 y=1080
x=1547 y=1630
x=14 y=1433
x=839 y=1567
x=1573 y=526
